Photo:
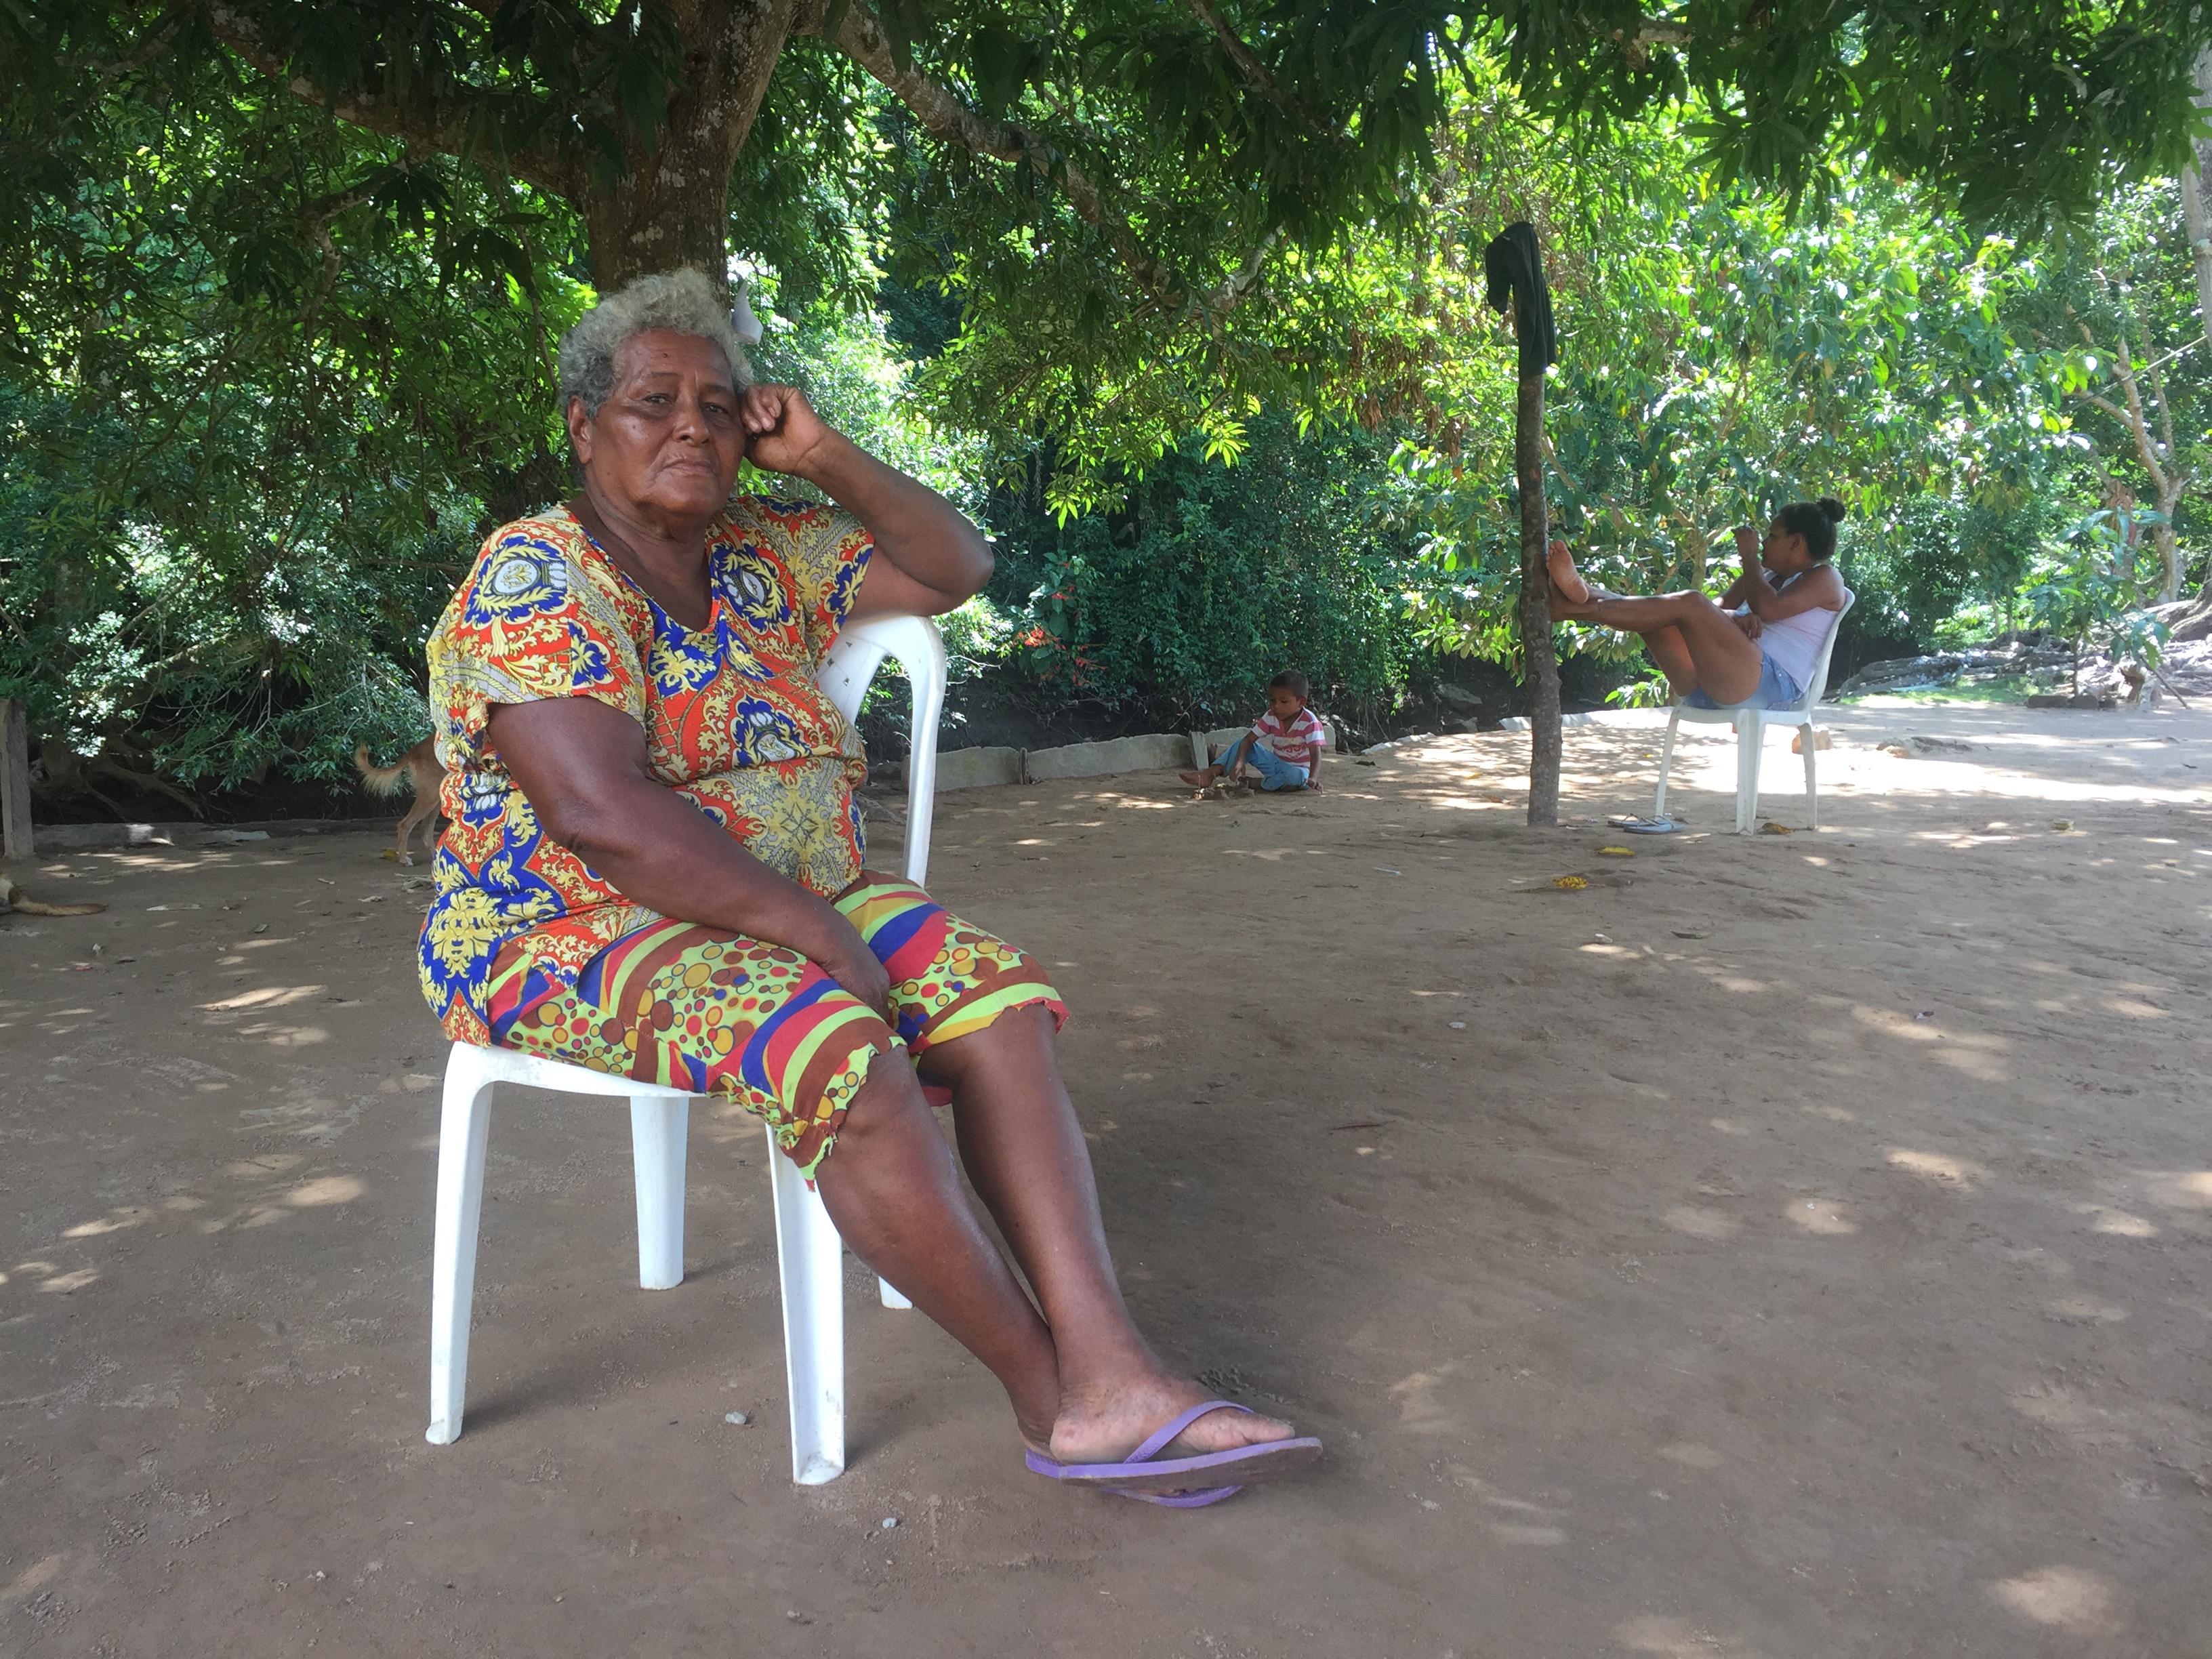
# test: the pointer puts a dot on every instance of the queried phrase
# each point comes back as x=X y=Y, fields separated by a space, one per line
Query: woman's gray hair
x=683 y=300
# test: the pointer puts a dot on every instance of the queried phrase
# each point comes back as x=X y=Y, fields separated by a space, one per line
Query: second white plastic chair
x=809 y=1252
x=1751 y=722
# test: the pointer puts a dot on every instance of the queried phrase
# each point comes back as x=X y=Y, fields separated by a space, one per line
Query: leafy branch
x=861 y=36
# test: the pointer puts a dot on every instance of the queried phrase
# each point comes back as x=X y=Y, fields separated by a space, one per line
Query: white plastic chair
x=808 y=1249
x=1751 y=722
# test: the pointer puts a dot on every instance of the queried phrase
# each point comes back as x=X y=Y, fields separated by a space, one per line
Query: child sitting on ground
x=1283 y=745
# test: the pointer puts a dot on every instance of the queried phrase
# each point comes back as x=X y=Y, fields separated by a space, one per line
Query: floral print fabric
x=733 y=719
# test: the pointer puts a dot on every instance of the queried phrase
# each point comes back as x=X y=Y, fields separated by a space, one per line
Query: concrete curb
x=976 y=768
x=1095 y=760
x=106 y=837
x=1520 y=722
x=1388 y=743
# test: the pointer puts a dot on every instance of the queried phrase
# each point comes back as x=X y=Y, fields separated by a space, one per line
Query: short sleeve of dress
x=827 y=550
x=529 y=624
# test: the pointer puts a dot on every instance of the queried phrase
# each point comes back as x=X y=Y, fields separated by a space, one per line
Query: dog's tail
x=13 y=897
x=379 y=780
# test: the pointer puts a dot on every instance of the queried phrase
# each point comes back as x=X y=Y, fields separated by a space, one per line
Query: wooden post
x=1540 y=664
x=1513 y=267
x=15 y=782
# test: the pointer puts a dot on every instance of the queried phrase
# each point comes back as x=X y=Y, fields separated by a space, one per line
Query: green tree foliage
x=2122 y=349
x=243 y=473
x=1118 y=190
x=280 y=275
x=1720 y=356
x=2090 y=589
x=1210 y=579
x=1934 y=563
x=2013 y=113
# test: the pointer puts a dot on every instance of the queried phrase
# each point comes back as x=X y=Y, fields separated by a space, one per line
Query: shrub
x=1212 y=578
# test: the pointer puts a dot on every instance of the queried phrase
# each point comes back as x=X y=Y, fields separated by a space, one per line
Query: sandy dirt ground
x=1787 y=1246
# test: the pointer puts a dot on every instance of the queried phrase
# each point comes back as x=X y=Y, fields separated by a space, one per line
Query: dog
x=419 y=766
x=13 y=898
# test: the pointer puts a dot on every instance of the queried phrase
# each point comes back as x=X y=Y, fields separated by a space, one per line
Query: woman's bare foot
x=1106 y=1423
x=1566 y=580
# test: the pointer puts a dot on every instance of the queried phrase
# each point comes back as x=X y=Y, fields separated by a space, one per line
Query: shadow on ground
x=1775 y=1246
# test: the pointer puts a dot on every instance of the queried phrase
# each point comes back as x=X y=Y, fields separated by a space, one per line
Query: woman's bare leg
x=1696 y=644
x=1024 y=1151
x=1671 y=651
x=1725 y=662
x=890 y=1186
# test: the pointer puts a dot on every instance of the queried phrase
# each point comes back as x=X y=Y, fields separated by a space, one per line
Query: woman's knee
x=1018 y=1033
x=1688 y=603
x=887 y=1107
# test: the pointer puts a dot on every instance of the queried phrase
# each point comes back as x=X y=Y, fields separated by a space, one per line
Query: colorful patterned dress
x=526 y=946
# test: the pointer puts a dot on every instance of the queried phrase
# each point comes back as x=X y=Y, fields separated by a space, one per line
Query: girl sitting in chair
x=1761 y=642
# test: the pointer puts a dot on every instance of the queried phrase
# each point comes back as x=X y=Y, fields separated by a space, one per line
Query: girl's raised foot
x=1566 y=580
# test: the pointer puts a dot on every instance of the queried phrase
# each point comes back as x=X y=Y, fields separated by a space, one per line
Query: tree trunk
x=1540 y=664
x=672 y=207
x=2194 y=183
x=2168 y=545
x=2196 y=186
x=2200 y=243
x=1700 y=554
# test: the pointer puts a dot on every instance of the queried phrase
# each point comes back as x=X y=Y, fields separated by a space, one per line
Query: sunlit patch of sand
x=1419 y=1410
x=1957 y=1174
x=1701 y=1223
x=2070 y=1598
x=268 y=996
x=1820 y=1215
x=2105 y=1219
x=329 y=1189
x=2179 y=1189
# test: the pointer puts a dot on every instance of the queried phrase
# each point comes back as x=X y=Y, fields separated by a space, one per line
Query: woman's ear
x=579 y=431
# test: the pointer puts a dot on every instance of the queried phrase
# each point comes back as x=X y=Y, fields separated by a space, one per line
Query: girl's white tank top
x=1794 y=642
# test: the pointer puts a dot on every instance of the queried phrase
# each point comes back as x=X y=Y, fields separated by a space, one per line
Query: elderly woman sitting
x=654 y=868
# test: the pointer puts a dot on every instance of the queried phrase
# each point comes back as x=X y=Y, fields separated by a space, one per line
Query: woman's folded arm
x=582 y=766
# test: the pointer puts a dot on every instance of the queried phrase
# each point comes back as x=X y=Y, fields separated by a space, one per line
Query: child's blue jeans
x=1275 y=772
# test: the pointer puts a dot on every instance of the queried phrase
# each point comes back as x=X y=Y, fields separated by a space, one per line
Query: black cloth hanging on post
x=1514 y=265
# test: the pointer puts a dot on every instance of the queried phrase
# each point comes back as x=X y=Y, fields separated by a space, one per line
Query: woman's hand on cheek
x=782 y=431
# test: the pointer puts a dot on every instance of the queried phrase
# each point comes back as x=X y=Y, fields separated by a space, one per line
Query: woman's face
x=667 y=442
x=1783 y=550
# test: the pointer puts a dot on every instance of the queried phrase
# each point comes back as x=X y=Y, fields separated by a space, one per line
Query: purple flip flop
x=1150 y=1479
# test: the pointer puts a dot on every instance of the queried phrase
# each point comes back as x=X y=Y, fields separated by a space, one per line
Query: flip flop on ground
x=1176 y=1481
